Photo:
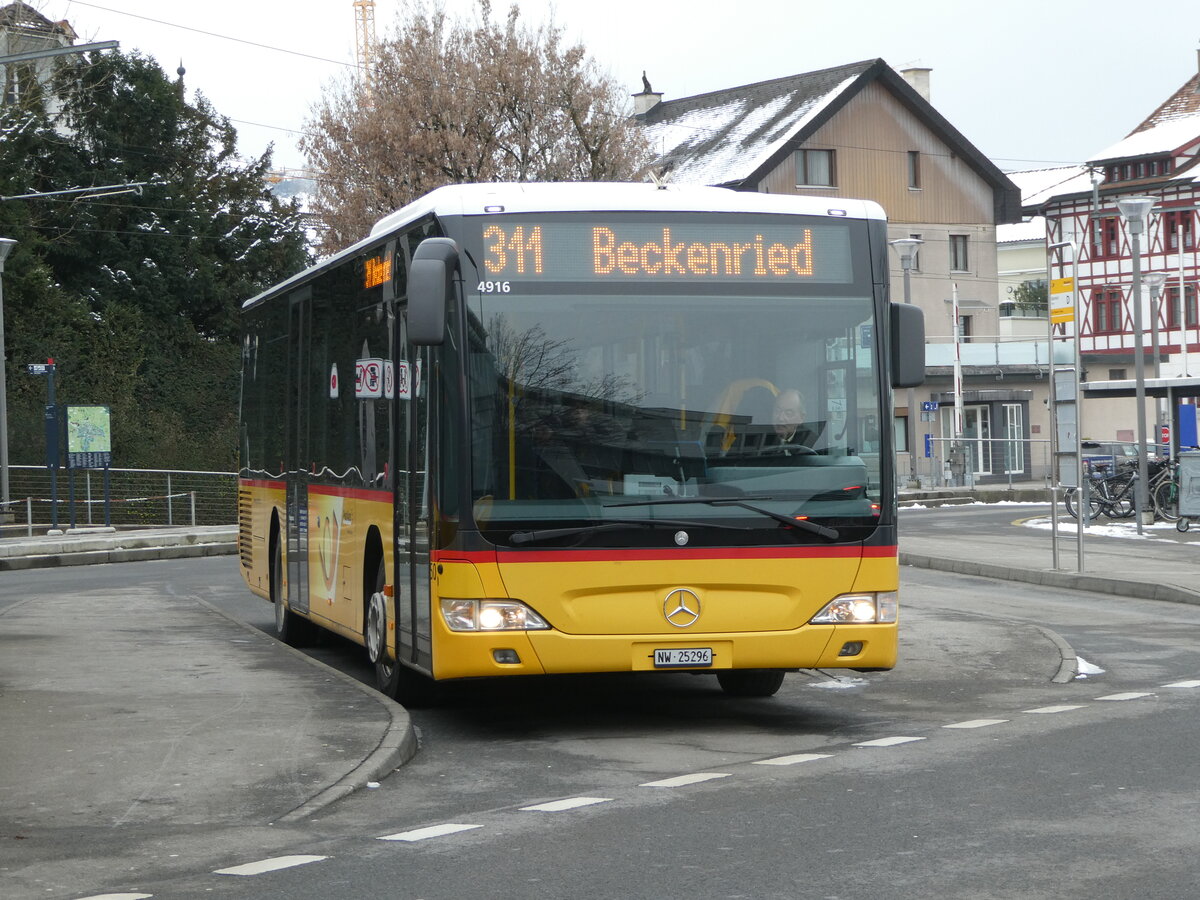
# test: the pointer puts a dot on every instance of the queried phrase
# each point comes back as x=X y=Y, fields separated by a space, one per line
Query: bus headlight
x=490 y=615
x=858 y=609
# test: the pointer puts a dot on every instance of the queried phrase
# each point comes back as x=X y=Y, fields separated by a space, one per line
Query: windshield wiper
x=824 y=531
x=549 y=534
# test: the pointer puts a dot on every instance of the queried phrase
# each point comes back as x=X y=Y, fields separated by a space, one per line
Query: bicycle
x=1111 y=495
x=1164 y=491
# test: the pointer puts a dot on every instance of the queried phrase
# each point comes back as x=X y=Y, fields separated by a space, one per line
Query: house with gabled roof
x=1160 y=159
x=865 y=130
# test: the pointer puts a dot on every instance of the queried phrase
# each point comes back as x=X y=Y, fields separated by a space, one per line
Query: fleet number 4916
x=494 y=287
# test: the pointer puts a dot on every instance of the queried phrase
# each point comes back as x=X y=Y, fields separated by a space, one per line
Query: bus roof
x=578 y=196
x=525 y=197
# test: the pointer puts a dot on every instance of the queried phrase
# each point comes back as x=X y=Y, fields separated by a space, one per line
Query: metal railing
x=136 y=497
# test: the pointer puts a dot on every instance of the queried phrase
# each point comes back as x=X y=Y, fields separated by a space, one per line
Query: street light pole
x=1135 y=210
x=6 y=244
x=907 y=248
x=1155 y=280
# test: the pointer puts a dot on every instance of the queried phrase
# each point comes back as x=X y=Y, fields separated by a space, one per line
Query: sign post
x=89 y=446
x=51 y=417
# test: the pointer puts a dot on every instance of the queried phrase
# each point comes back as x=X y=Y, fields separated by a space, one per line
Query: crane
x=364 y=49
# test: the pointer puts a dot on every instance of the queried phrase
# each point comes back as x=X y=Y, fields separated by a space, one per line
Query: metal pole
x=6 y=244
x=1081 y=488
x=1053 y=410
x=1136 y=222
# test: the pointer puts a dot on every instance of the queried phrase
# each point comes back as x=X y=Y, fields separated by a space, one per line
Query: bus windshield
x=730 y=406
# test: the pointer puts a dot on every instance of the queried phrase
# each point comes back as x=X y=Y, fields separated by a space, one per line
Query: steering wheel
x=786 y=449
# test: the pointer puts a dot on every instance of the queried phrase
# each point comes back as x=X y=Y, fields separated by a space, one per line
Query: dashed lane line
x=888 y=741
x=683 y=780
x=422 y=834
x=1183 y=684
x=976 y=723
x=793 y=759
x=1127 y=695
x=569 y=803
x=270 y=865
x=1050 y=710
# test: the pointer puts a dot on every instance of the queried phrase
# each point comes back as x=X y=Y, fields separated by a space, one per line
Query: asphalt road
x=964 y=772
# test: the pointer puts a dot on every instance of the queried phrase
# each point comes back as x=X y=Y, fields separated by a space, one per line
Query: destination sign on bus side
x=653 y=251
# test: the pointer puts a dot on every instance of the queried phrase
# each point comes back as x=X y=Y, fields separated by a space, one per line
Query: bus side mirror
x=908 y=345
x=430 y=287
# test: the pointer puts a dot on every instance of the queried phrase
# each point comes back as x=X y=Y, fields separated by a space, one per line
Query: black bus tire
x=750 y=682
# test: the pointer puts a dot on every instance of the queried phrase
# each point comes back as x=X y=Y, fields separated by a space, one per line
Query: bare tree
x=451 y=101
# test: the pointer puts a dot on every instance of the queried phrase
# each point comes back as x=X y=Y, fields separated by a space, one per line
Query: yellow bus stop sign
x=1062 y=300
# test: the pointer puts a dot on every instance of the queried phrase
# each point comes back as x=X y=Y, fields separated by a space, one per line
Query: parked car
x=1107 y=454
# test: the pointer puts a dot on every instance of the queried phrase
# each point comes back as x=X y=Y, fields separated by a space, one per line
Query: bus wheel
x=750 y=682
x=392 y=678
x=289 y=627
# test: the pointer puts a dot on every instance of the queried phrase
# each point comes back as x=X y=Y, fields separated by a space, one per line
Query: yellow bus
x=526 y=429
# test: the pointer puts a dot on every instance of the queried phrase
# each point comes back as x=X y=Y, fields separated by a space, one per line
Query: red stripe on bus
x=637 y=554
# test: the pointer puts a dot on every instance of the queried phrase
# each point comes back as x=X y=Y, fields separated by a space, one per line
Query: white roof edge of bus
x=527 y=197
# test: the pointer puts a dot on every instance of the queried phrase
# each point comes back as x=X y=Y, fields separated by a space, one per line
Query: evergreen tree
x=136 y=295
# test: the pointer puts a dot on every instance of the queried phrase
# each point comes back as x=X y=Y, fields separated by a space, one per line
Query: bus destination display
x=524 y=250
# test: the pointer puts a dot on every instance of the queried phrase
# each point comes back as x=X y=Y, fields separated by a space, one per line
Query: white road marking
x=569 y=803
x=682 y=780
x=792 y=760
x=421 y=834
x=270 y=865
x=976 y=723
x=118 y=897
x=1183 y=684
x=888 y=741
x=1128 y=695
x=1055 y=709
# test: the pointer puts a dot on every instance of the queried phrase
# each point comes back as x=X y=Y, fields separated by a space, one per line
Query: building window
x=1116 y=375
x=914 y=169
x=1106 y=312
x=1106 y=238
x=1174 y=319
x=900 y=433
x=959 y=261
x=1173 y=224
x=815 y=168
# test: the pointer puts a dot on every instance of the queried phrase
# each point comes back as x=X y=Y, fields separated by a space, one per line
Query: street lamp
x=6 y=244
x=907 y=248
x=1135 y=210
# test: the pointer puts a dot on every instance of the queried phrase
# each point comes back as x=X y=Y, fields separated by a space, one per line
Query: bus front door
x=296 y=472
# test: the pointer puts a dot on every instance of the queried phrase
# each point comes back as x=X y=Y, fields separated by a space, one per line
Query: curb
x=1074 y=581
x=396 y=747
x=115 y=555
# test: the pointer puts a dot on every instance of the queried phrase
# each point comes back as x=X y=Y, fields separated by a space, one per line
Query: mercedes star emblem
x=681 y=608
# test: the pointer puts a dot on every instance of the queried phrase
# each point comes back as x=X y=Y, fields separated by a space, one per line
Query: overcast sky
x=1031 y=83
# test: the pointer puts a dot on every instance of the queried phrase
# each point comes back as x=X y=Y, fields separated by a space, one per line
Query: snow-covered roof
x=725 y=136
x=1033 y=230
x=1039 y=185
x=1165 y=137
x=735 y=137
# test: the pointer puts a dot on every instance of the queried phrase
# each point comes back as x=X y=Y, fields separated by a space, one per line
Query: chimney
x=647 y=99
x=918 y=80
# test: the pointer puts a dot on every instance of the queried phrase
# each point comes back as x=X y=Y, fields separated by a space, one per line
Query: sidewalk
x=1162 y=564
